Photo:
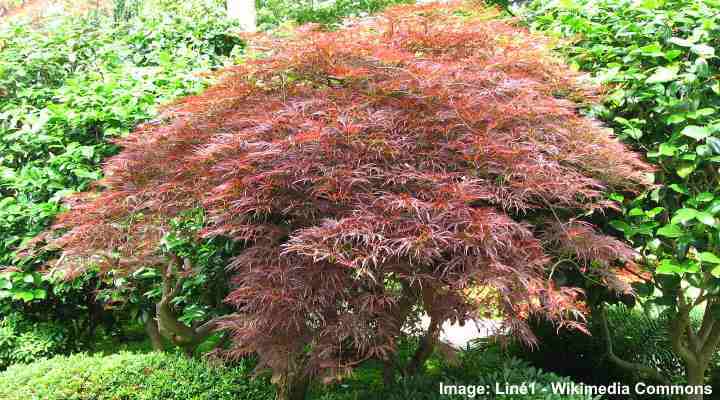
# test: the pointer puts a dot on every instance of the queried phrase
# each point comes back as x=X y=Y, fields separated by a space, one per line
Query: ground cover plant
x=368 y=174
x=658 y=58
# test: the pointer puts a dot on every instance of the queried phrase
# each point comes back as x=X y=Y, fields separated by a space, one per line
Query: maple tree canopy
x=429 y=158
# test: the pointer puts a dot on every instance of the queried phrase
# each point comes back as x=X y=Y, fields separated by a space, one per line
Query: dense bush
x=26 y=341
x=477 y=368
x=69 y=84
x=153 y=376
x=658 y=59
x=131 y=376
x=274 y=12
x=636 y=336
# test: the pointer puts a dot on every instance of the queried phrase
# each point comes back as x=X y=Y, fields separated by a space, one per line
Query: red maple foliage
x=385 y=168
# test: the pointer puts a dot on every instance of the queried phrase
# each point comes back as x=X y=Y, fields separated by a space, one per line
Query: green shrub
x=129 y=376
x=483 y=366
x=275 y=12
x=636 y=336
x=659 y=62
x=69 y=86
x=23 y=341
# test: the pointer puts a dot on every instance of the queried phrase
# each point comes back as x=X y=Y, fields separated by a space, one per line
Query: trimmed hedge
x=129 y=376
x=151 y=376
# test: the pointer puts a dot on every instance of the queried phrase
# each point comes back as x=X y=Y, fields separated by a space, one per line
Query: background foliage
x=659 y=61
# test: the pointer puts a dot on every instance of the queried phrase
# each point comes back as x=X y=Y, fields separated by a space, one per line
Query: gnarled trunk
x=168 y=322
x=151 y=328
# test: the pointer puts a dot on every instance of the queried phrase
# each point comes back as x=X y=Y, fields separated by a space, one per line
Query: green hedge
x=129 y=376
x=24 y=341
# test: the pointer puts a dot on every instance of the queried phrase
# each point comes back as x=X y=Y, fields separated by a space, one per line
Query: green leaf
x=667 y=149
x=654 y=212
x=39 y=294
x=623 y=227
x=706 y=218
x=685 y=169
x=675 y=119
x=671 y=267
x=681 y=42
x=24 y=295
x=704 y=197
x=714 y=144
x=696 y=132
x=28 y=278
x=636 y=212
x=714 y=207
x=709 y=258
x=671 y=231
x=678 y=188
x=684 y=215
x=663 y=74
x=703 y=50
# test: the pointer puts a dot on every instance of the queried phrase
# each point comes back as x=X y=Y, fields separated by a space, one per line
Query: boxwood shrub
x=131 y=376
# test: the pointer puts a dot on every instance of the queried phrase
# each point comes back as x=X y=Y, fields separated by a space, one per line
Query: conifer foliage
x=426 y=159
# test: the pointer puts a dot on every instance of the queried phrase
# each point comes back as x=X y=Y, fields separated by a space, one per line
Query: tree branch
x=601 y=316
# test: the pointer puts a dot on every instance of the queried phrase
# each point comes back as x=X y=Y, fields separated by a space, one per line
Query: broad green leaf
x=714 y=144
x=622 y=226
x=709 y=258
x=24 y=295
x=704 y=197
x=671 y=231
x=706 y=218
x=636 y=212
x=685 y=169
x=684 y=215
x=681 y=42
x=667 y=149
x=663 y=74
x=714 y=207
x=678 y=188
x=672 y=267
x=676 y=119
x=703 y=50
x=696 y=132
x=654 y=212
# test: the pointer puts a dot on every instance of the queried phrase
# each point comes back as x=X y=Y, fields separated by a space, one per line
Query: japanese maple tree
x=429 y=159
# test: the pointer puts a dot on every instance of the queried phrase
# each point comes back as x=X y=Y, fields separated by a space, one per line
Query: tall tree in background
x=245 y=12
x=418 y=162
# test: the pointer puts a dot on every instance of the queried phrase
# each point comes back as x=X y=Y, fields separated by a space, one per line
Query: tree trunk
x=696 y=377
x=426 y=348
x=244 y=11
x=293 y=387
x=153 y=333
